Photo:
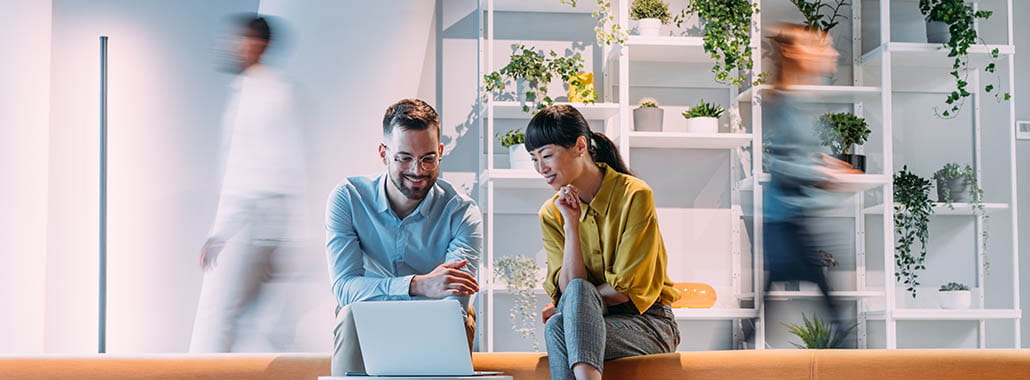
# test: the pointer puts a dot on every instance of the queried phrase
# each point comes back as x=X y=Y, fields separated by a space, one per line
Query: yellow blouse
x=619 y=240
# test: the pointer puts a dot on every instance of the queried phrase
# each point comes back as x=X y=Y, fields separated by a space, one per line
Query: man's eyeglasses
x=405 y=161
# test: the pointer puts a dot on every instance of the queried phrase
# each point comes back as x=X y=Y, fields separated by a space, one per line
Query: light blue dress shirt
x=373 y=254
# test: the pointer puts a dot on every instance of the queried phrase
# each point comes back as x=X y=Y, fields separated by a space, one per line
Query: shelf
x=513 y=179
x=544 y=6
x=946 y=315
x=922 y=56
x=688 y=140
x=840 y=294
x=943 y=209
x=595 y=111
x=850 y=183
x=666 y=49
x=683 y=314
x=822 y=94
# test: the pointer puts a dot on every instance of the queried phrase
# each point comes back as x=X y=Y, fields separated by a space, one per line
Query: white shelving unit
x=920 y=68
x=877 y=74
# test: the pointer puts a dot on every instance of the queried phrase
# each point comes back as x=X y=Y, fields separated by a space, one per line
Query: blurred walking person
x=802 y=178
x=259 y=197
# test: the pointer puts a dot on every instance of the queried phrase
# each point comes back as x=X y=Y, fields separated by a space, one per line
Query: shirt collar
x=383 y=202
x=603 y=199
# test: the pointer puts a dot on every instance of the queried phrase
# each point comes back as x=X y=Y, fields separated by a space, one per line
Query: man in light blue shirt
x=402 y=235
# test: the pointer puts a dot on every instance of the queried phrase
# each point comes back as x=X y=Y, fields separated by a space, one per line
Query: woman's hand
x=548 y=312
x=568 y=203
x=611 y=296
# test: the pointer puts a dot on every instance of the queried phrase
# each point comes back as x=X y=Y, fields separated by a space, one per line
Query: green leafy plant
x=952 y=171
x=815 y=19
x=648 y=103
x=520 y=275
x=912 y=210
x=608 y=31
x=704 y=109
x=976 y=195
x=953 y=286
x=513 y=137
x=537 y=69
x=727 y=38
x=961 y=19
x=816 y=334
x=840 y=131
x=642 y=9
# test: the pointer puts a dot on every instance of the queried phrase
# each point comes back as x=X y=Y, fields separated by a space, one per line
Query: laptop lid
x=413 y=338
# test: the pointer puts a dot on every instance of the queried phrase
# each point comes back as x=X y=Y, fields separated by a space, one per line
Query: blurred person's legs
x=347 y=350
x=238 y=281
x=230 y=288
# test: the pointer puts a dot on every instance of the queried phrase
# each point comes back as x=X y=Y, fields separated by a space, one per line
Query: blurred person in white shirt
x=259 y=197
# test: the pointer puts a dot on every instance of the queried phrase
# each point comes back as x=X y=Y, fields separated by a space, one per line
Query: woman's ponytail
x=604 y=150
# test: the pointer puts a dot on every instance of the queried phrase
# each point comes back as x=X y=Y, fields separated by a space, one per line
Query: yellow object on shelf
x=581 y=88
x=695 y=295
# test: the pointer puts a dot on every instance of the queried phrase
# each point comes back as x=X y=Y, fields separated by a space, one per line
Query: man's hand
x=446 y=280
x=209 y=252
x=548 y=312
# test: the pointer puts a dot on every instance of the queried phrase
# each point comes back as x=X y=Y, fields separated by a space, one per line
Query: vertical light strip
x=102 y=249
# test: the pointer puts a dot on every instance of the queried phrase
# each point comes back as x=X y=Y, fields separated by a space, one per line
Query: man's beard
x=414 y=193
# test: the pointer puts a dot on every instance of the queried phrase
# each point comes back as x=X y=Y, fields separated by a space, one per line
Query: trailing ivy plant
x=816 y=334
x=815 y=19
x=519 y=274
x=537 y=69
x=961 y=19
x=840 y=131
x=607 y=30
x=727 y=38
x=912 y=210
x=976 y=196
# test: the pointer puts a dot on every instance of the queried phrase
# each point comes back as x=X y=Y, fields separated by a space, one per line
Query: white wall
x=1022 y=99
x=24 y=115
x=165 y=102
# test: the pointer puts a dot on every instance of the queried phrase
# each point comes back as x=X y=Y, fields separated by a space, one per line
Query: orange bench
x=721 y=365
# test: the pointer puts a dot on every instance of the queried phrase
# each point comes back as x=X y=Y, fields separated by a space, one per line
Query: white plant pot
x=519 y=158
x=649 y=27
x=703 y=125
x=955 y=299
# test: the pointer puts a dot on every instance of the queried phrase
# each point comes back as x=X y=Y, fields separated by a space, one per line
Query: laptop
x=414 y=338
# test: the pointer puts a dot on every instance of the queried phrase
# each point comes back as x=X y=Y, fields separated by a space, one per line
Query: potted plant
x=912 y=210
x=955 y=183
x=521 y=277
x=727 y=37
x=532 y=71
x=650 y=14
x=953 y=23
x=581 y=88
x=703 y=118
x=954 y=295
x=816 y=334
x=518 y=156
x=648 y=116
x=815 y=19
x=842 y=131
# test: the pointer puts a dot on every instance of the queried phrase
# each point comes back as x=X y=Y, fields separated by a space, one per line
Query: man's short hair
x=410 y=114
x=255 y=26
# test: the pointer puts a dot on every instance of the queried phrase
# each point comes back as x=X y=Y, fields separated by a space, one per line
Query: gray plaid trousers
x=585 y=331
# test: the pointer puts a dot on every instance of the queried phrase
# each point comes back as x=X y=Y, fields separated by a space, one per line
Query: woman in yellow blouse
x=605 y=256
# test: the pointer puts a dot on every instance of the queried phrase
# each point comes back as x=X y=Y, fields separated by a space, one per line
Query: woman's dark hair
x=563 y=125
